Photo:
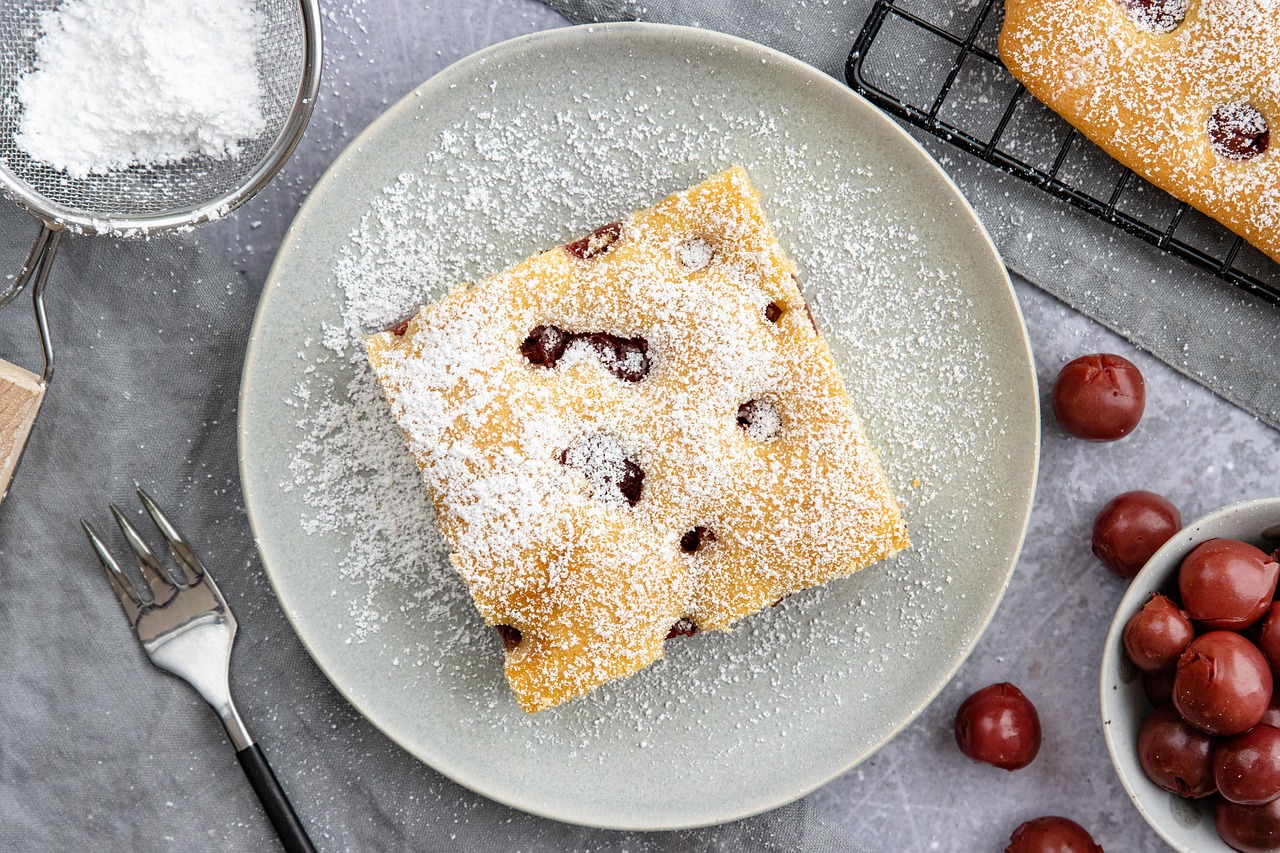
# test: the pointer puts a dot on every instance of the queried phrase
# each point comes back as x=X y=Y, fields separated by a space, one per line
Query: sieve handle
x=21 y=393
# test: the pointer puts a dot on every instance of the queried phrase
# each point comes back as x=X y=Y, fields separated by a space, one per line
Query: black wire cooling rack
x=935 y=65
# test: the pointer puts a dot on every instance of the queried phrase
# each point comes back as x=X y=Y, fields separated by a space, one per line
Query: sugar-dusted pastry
x=636 y=435
x=1181 y=91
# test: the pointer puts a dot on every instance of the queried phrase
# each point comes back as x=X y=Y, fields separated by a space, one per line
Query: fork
x=187 y=630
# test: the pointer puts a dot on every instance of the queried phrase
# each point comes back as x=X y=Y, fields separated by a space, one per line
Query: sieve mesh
x=141 y=193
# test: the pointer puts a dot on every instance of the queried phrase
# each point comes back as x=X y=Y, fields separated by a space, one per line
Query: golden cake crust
x=693 y=360
x=1143 y=79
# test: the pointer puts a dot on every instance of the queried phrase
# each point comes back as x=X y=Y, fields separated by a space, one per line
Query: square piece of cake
x=636 y=435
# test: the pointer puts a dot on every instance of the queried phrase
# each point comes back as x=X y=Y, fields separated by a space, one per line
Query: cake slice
x=636 y=435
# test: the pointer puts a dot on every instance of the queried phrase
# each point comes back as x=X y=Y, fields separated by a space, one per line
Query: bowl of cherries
x=1189 y=713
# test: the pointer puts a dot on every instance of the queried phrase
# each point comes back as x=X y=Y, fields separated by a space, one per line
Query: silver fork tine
x=182 y=553
x=129 y=598
x=162 y=586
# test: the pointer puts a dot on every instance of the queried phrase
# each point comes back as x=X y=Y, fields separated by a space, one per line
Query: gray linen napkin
x=99 y=750
x=1201 y=326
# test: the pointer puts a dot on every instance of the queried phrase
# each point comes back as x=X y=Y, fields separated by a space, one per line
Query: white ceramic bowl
x=1187 y=825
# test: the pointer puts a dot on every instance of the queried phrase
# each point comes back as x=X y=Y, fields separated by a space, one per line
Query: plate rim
x=564 y=38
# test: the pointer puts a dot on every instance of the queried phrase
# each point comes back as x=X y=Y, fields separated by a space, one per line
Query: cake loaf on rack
x=1181 y=91
x=636 y=435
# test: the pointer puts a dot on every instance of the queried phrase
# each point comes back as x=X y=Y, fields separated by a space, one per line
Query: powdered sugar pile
x=120 y=83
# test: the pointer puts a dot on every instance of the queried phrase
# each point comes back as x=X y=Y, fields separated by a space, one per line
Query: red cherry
x=1271 y=716
x=1099 y=397
x=1269 y=636
x=1249 y=829
x=1246 y=767
x=1238 y=131
x=1052 y=834
x=1223 y=685
x=1130 y=528
x=1159 y=687
x=1157 y=635
x=1227 y=584
x=1174 y=755
x=597 y=242
x=999 y=726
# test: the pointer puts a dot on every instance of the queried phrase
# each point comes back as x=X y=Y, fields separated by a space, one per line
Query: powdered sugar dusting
x=1158 y=16
x=695 y=253
x=120 y=83
x=602 y=459
x=896 y=322
x=761 y=420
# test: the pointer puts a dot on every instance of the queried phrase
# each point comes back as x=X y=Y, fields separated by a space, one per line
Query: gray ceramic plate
x=520 y=147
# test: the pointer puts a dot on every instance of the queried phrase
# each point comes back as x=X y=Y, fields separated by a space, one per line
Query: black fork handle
x=279 y=810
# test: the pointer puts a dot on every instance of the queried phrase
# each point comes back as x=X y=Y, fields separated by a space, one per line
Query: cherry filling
x=614 y=478
x=1157 y=16
x=398 y=329
x=1238 y=131
x=511 y=636
x=596 y=243
x=625 y=358
x=545 y=345
x=760 y=419
x=632 y=483
x=772 y=312
x=697 y=539
x=683 y=627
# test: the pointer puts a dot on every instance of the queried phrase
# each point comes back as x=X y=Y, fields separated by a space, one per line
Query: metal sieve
x=137 y=201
